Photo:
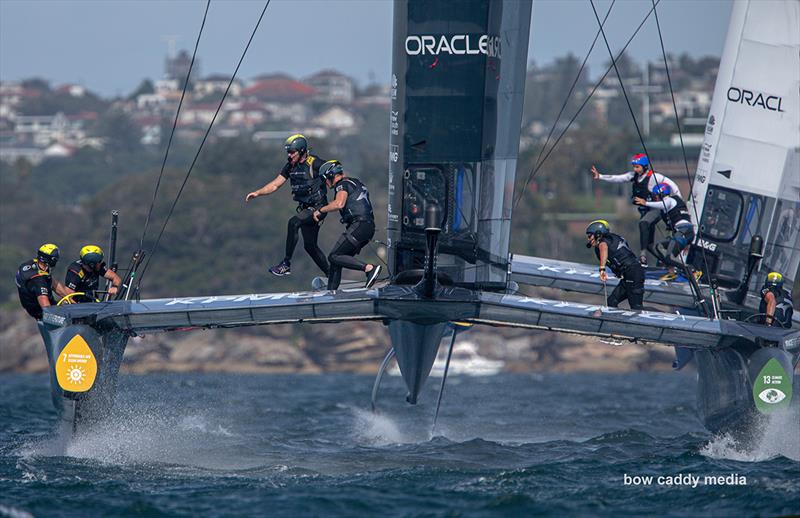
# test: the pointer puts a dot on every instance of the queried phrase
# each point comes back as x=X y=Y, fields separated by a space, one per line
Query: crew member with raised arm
x=679 y=222
x=613 y=251
x=35 y=284
x=642 y=179
x=776 y=302
x=351 y=199
x=83 y=276
x=308 y=190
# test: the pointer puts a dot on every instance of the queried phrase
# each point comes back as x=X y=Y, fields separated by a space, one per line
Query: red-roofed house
x=279 y=88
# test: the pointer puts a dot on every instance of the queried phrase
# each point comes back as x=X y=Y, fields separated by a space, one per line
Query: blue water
x=289 y=445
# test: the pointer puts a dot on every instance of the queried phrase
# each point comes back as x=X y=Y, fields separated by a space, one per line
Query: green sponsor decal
x=772 y=388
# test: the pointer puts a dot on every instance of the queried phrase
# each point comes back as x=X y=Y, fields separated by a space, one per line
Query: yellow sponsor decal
x=76 y=367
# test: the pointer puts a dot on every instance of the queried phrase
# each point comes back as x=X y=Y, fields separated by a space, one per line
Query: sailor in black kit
x=613 y=251
x=678 y=220
x=308 y=190
x=83 y=276
x=35 y=284
x=351 y=199
x=776 y=302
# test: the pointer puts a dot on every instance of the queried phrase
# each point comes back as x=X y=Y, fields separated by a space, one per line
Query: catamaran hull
x=107 y=348
x=726 y=400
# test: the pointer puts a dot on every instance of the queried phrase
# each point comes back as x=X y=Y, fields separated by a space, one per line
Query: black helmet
x=296 y=142
x=330 y=169
x=774 y=280
x=597 y=228
x=48 y=254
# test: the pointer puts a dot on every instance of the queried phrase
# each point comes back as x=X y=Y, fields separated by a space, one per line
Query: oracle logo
x=458 y=44
x=755 y=99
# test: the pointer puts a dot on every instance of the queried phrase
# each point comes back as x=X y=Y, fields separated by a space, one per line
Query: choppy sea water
x=289 y=445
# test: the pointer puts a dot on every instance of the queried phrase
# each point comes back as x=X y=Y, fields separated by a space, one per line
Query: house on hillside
x=331 y=87
x=278 y=88
x=217 y=84
x=336 y=118
x=201 y=113
x=246 y=114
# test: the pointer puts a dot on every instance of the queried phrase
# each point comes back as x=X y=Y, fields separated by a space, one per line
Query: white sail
x=748 y=174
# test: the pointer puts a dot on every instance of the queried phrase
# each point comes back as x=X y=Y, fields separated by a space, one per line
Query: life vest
x=677 y=213
x=620 y=255
x=641 y=186
x=29 y=270
x=357 y=205
x=78 y=279
x=308 y=187
x=29 y=295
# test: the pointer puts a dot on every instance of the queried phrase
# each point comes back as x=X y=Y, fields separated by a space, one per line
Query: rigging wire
x=711 y=281
x=563 y=105
x=582 y=106
x=174 y=125
x=202 y=143
x=697 y=296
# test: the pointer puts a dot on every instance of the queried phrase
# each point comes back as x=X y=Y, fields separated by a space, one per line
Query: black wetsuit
x=679 y=222
x=31 y=284
x=308 y=190
x=78 y=279
x=360 y=222
x=626 y=267
x=783 y=307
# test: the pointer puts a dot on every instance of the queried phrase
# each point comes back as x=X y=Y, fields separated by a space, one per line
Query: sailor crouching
x=35 y=284
x=351 y=199
x=83 y=276
x=679 y=222
x=613 y=251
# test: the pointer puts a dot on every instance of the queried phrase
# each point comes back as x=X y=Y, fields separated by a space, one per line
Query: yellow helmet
x=774 y=279
x=598 y=227
x=296 y=142
x=48 y=253
x=91 y=255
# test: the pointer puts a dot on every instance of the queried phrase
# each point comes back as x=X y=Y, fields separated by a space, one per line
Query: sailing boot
x=372 y=275
x=281 y=269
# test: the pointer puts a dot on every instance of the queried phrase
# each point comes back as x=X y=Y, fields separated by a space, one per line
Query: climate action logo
x=755 y=99
x=772 y=389
x=458 y=45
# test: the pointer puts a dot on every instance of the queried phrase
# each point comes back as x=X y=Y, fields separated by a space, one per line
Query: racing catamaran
x=457 y=89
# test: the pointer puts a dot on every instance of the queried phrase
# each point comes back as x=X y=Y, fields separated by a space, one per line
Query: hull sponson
x=108 y=348
x=725 y=385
